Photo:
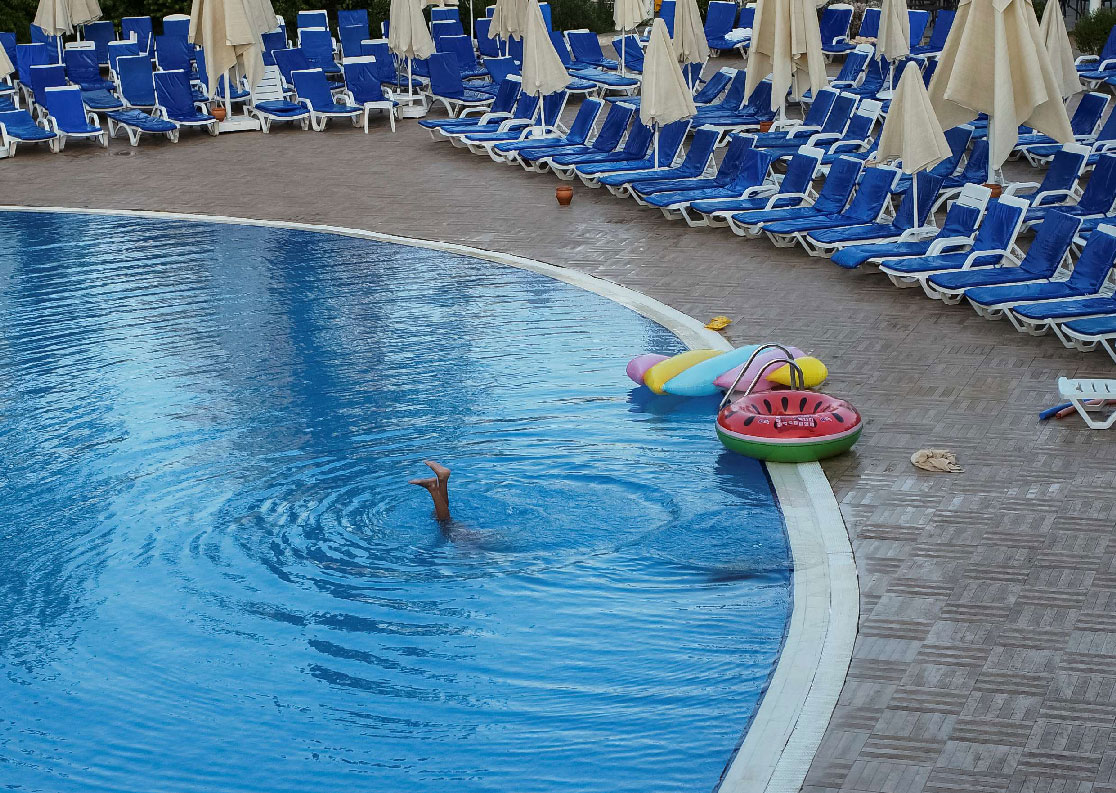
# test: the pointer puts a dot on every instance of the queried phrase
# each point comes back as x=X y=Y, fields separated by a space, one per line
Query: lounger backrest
x=351 y=37
x=137 y=85
x=100 y=33
x=584 y=121
x=317 y=45
x=747 y=17
x=559 y=42
x=870 y=23
x=872 y=195
x=958 y=139
x=354 y=18
x=754 y=165
x=666 y=13
x=39 y=36
x=733 y=160
x=702 y=146
x=860 y=126
x=442 y=14
x=446 y=27
x=172 y=90
x=1100 y=194
x=614 y=126
x=515 y=49
x=552 y=107
x=138 y=29
x=1088 y=113
x=378 y=49
x=628 y=47
x=1107 y=53
x=639 y=141
x=976 y=168
x=506 y=96
x=270 y=86
x=275 y=40
x=489 y=47
x=735 y=95
x=874 y=75
x=719 y=18
x=585 y=46
x=173 y=52
x=1051 y=244
x=838 y=186
x=66 y=108
x=291 y=61
x=670 y=141
x=177 y=25
x=1001 y=224
x=854 y=64
x=1064 y=168
x=43 y=77
x=311 y=85
x=918 y=19
x=928 y=185
x=960 y=221
x=834 y=23
x=547 y=14
x=759 y=103
x=820 y=107
x=81 y=66
x=317 y=18
x=942 y=24
x=362 y=81
x=839 y=114
x=28 y=55
x=525 y=106
x=462 y=49
x=1096 y=260
x=499 y=69
x=713 y=88
x=800 y=170
x=691 y=73
x=445 y=77
x=121 y=49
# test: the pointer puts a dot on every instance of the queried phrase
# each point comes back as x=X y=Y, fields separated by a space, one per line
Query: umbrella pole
x=410 y=89
x=657 y=146
x=914 y=197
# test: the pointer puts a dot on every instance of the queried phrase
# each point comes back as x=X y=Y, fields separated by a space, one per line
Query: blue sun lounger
x=82 y=69
x=317 y=45
x=521 y=116
x=832 y=198
x=291 y=61
x=27 y=56
x=943 y=21
x=867 y=206
x=834 y=26
x=869 y=28
x=1102 y=143
x=719 y=18
x=1047 y=257
x=957 y=232
x=578 y=134
x=17 y=127
x=697 y=160
x=269 y=102
x=794 y=188
x=1084 y=122
x=813 y=122
x=43 y=77
x=906 y=225
x=363 y=89
x=588 y=78
x=586 y=49
x=446 y=86
x=502 y=106
x=1088 y=278
x=1059 y=183
x=750 y=181
x=548 y=121
x=135 y=82
x=670 y=143
x=995 y=239
x=633 y=53
x=725 y=172
x=1099 y=254
x=1097 y=199
x=608 y=138
x=958 y=139
x=175 y=102
x=69 y=118
x=314 y=93
x=462 y=49
x=1088 y=334
x=141 y=30
x=636 y=147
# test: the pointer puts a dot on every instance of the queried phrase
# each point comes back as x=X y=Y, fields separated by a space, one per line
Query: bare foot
x=436 y=486
x=430 y=484
x=439 y=470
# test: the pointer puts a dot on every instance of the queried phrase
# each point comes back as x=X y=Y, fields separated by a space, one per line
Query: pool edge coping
x=787 y=728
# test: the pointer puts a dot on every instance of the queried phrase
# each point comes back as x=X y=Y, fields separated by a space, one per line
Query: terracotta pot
x=765 y=126
x=997 y=189
x=564 y=194
x=218 y=112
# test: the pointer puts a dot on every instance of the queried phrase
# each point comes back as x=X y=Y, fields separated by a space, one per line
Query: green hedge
x=596 y=15
x=1091 y=31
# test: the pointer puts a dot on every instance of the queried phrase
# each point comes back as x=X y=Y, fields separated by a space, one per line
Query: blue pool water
x=215 y=577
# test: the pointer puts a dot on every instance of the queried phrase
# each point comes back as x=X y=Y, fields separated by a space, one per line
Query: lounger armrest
x=492 y=118
x=52 y=125
x=840 y=40
x=1106 y=65
x=1040 y=199
x=1016 y=187
x=466 y=111
x=1083 y=59
x=800 y=130
x=947 y=243
x=760 y=190
x=919 y=233
x=202 y=107
x=92 y=119
x=804 y=199
x=1104 y=147
x=160 y=112
x=306 y=103
x=511 y=124
x=848 y=146
x=823 y=139
x=346 y=97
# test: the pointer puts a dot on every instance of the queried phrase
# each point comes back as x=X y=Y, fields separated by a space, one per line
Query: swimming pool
x=214 y=575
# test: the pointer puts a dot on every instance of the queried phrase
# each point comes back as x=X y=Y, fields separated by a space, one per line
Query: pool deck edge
x=788 y=726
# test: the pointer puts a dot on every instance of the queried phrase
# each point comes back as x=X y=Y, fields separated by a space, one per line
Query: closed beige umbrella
x=82 y=11
x=1058 y=47
x=912 y=132
x=53 y=16
x=786 y=44
x=509 y=19
x=231 y=32
x=690 y=44
x=994 y=62
x=664 y=96
x=894 y=40
x=6 y=65
x=626 y=15
x=542 y=71
x=408 y=36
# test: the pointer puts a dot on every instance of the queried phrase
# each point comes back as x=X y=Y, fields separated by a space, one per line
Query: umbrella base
x=239 y=124
x=411 y=105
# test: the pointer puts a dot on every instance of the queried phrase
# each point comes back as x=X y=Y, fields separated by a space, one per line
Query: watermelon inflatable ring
x=788 y=426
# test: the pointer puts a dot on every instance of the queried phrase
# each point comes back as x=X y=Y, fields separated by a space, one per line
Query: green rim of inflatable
x=789 y=453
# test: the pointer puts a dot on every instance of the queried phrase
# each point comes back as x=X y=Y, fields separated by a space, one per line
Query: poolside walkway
x=986 y=660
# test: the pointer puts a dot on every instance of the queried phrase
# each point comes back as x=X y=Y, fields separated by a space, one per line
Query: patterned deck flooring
x=986 y=660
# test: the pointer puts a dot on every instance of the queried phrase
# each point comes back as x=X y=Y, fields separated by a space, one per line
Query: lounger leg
x=391 y=118
x=213 y=129
x=1105 y=343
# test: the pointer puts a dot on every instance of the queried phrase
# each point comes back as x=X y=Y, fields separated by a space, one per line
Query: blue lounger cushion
x=1075 y=307
x=282 y=108
x=141 y=120
x=22 y=127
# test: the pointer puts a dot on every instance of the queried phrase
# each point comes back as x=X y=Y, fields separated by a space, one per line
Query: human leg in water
x=438 y=487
